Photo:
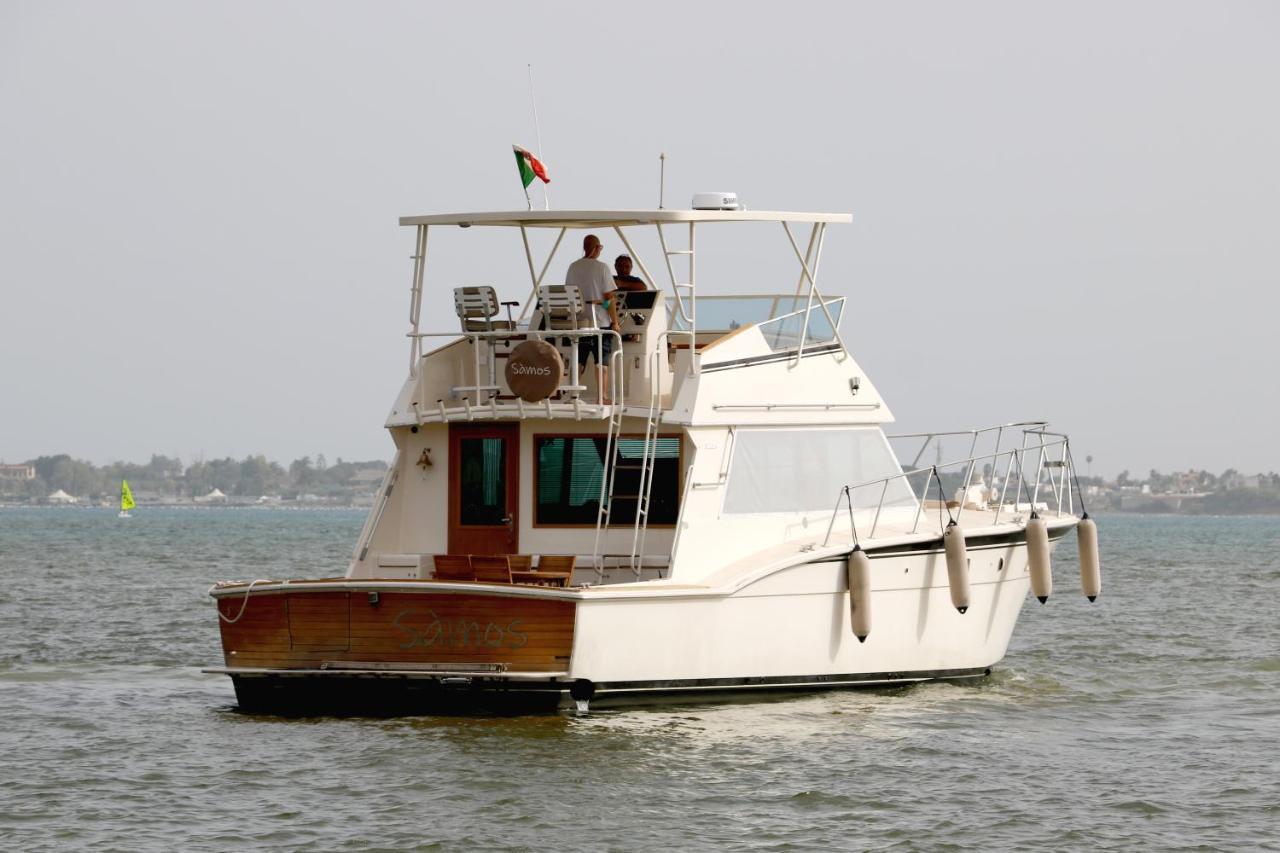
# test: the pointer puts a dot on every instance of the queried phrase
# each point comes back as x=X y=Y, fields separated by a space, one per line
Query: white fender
x=1090 y=573
x=1038 y=558
x=858 y=569
x=957 y=565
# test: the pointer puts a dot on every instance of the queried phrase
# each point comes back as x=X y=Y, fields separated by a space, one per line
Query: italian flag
x=530 y=167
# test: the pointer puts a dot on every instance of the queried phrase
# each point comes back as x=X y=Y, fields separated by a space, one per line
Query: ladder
x=686 y=301
x=644 y=466
x=648 y=461
x=612 y=430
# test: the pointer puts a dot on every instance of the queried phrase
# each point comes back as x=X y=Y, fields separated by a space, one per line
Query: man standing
x=592 y=276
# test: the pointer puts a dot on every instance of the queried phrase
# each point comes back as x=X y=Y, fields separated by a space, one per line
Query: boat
x=126 y=500
x=736 y=519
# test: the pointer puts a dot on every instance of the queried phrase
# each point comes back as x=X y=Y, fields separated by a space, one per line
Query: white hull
x=793 y=629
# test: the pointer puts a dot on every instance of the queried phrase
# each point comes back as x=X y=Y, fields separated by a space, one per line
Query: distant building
x=61 y=498
x=367 y=479
x=1243 y=481
x=17 y=472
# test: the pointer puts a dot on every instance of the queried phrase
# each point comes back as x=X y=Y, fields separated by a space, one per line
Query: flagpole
x=546 y=199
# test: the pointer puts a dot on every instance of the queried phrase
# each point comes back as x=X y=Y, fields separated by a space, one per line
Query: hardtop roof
x=615 y=218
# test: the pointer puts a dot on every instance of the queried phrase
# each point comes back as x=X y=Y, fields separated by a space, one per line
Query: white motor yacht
x=726 y=513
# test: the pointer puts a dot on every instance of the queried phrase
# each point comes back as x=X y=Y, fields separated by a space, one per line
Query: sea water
x=1148 y=720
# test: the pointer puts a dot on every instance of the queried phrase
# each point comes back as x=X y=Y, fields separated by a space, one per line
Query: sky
x=1060 y=211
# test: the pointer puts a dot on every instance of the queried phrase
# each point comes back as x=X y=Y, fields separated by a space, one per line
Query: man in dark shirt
x=624 y=279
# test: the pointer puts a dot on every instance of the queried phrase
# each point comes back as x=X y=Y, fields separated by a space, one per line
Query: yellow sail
x=126 y=496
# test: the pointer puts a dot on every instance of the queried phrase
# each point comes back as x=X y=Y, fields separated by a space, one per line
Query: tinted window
x=570 y=470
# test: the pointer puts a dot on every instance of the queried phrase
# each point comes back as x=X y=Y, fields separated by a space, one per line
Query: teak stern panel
x=307 y=629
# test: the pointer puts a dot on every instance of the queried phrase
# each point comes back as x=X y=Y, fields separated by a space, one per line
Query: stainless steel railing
x=1050 y=451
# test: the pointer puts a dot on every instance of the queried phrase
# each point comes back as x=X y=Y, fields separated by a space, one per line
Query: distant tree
x=196 y=479
x=44 y=464
x=162 y=469
x=224 y=474
x=256 y=476
x=1122 y=479
x=76 y=478
x=301 y=473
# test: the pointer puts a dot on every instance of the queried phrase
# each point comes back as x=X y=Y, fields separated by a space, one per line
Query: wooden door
x=484 y=488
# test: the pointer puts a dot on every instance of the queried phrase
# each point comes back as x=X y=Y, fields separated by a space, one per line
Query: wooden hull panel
x=465 y=630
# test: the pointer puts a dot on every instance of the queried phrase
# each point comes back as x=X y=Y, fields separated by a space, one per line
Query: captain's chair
x=476 y=307
x=561 y=305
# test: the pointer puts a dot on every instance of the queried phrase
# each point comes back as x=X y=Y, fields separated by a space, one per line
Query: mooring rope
x=942 y=503
x=244 y=603
x=848 y=496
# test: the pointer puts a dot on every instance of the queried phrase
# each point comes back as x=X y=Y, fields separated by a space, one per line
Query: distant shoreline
x=142 y=508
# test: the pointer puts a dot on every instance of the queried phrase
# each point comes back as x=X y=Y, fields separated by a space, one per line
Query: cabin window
x=793 y=470
x=570 y=470
x=482 y=481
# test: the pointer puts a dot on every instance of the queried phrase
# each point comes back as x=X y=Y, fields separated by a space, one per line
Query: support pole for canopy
x=813 y=286
x=415 y=298
x=808 y=256
x=537 y=277
x=695 y=365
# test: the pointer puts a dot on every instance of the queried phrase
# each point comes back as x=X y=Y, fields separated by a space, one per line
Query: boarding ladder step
x=612 y=430
x=649 y=457
x=644 y=488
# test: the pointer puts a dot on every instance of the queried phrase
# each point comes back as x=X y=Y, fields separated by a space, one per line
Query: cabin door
x=484 y=488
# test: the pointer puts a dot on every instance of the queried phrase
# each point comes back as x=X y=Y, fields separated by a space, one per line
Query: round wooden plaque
x=534 y=371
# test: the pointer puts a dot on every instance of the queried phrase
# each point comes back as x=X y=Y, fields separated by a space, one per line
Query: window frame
x=534 y=476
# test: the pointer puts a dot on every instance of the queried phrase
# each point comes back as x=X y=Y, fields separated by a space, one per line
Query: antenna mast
x=662 y=178
x=546 y=199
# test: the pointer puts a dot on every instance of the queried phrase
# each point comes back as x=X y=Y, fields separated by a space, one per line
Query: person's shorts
x=587 y=346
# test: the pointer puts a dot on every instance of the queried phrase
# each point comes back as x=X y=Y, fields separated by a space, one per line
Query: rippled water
x=1150 y=719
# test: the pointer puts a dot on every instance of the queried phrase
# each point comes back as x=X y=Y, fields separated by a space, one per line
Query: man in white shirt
x=594 y=278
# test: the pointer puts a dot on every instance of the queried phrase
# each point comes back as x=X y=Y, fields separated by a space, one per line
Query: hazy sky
x=1061 y=211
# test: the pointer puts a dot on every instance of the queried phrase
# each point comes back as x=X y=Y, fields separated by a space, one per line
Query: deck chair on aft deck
x=476 y=307
x=450 y=567
x=491 y=569
x=557 y=570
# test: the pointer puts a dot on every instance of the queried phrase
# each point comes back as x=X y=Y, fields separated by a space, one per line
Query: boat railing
x=1054 y=470
x=481 y=398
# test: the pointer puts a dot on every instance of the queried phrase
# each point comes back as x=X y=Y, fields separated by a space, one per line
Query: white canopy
x=614 y=218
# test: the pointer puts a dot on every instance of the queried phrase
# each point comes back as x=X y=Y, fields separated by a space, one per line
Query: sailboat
x=126 y=500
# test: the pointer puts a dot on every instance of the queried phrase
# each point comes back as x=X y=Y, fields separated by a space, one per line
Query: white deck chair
x=561 y=306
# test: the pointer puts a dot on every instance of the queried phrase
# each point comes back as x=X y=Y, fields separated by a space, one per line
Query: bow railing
x=1048 y=453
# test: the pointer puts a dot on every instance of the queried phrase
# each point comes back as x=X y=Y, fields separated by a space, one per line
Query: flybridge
x=809 y=318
